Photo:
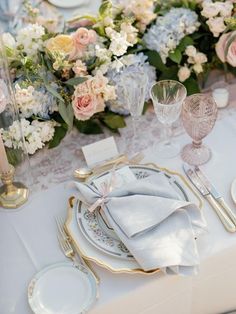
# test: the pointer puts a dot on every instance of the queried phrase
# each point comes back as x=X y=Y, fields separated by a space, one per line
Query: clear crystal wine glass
x=199 y=114
x=168 y=97
x=135 y=87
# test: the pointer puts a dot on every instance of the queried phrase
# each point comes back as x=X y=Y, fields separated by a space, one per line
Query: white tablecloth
x=28 y=243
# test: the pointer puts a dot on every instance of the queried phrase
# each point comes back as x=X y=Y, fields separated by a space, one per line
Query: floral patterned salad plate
x=96 y=240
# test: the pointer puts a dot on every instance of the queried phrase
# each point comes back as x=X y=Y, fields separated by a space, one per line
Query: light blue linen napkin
x=154 y=223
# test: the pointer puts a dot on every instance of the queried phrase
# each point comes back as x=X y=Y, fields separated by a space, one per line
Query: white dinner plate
x=68 y=3
x=122 y=265
x=233 y=191
x=62 y=289
x=95 y=227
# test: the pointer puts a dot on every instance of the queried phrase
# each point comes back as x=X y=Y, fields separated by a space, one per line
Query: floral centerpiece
x=73 y=78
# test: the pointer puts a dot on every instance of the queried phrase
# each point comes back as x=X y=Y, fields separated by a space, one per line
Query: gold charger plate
x=114 y=264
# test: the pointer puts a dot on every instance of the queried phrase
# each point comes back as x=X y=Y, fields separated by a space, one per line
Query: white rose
x=198 y=68
x=191 y=51
x=200 y=58
x=8 y=40
x=184 y=73
x=216 y=25
x=210 y=9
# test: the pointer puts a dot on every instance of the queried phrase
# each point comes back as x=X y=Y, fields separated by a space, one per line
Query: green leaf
x=155 y=60
x=114 y=121
x=185 y=42
x=176 y=56
x=88 y=127
x=14 y=156
x=67 y=114
x=54 y=92
x=192 y=86
x=76 y=81
x=105 y=7
x=170 y=73
x=60 y=133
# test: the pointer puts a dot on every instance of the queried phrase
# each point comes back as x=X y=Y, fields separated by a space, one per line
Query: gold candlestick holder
x=12 y=194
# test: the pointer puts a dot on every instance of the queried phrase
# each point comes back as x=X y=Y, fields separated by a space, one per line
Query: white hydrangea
x=170 y=29
x=30 y=38
x=34 y=102
x=36 y=134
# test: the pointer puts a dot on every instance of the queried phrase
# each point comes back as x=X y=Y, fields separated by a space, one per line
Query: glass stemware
x=199 y=114
x=168 y=97
x=135 y=86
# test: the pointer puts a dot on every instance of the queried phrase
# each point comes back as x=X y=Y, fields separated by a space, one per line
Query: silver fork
x=65 y=244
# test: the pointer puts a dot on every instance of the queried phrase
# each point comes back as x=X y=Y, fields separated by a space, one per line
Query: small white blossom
x=216 y=25
x=184 y=73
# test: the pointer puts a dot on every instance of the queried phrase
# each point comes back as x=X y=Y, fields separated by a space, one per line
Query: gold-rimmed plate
x=233 y=191
x=121 y=265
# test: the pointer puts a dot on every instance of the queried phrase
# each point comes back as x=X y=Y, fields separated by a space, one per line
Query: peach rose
x=98 y=84
x=86 y=106
x=230 y=55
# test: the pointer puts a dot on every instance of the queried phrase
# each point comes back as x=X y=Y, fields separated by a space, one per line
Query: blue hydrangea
x=136 y=63
x=170 y=29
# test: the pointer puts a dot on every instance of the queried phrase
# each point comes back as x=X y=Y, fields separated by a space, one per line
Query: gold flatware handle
x=226 y=221
x=227 y=209
x=86 y=262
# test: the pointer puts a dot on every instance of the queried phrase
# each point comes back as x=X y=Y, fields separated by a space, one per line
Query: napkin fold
x=154 y=223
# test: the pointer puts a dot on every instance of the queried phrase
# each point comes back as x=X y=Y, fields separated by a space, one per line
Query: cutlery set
x=209 y=192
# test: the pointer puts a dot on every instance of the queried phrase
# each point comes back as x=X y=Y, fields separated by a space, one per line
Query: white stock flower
x=34 y=102
x=216 y=25
x=119 y=44
x=184 y=73
x=35 y=134
x=30 y=38
x=131 y=32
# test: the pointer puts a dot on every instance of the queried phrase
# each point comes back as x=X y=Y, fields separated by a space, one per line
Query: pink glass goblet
x=199 y=113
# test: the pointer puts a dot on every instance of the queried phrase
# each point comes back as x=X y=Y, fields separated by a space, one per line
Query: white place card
x=100 y=151
x=121 y=177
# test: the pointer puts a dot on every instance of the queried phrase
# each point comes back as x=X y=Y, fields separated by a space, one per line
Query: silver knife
x=226 y=221
x=216 y=194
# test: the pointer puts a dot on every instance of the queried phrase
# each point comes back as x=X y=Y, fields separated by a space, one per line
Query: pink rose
x=224 y=42
x=84 y=37
x=81 y=39
x=86 y=106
